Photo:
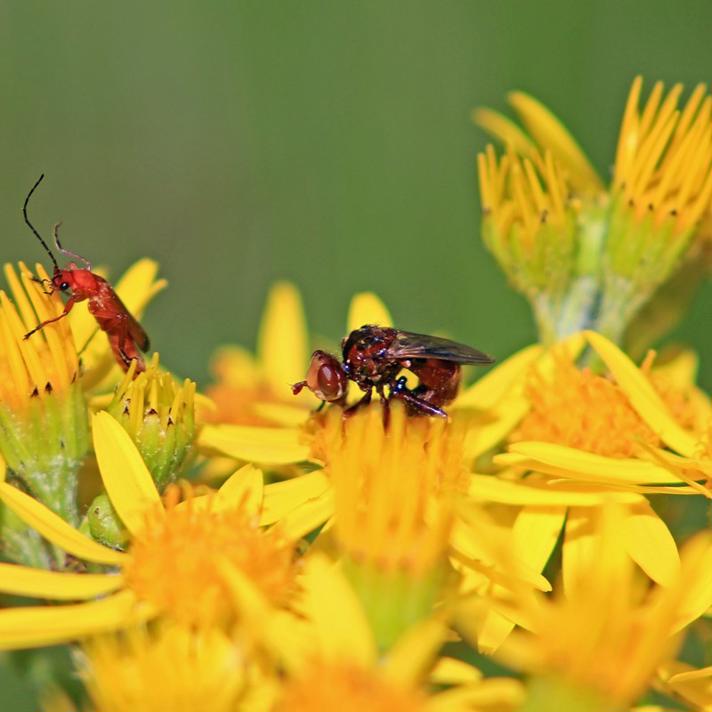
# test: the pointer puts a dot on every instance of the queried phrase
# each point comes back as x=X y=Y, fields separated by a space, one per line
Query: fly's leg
x=415 y=405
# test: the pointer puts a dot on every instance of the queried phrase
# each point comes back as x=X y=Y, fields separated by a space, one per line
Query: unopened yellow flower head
x=159 y=415
x=393 y=478
x=587 y=256
x=43 y=416
x=197 y=669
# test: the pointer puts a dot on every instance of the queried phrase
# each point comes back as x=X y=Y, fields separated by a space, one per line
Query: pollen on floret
x=582 y=410
x=347 y=688
x=374 y=461
x=178 y=561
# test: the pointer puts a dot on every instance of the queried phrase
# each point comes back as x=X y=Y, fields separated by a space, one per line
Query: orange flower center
x=329 y=687
x=583 y=410
x=178 y=561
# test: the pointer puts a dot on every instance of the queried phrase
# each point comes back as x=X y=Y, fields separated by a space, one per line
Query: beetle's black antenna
x=58 y=245
x=32 y=227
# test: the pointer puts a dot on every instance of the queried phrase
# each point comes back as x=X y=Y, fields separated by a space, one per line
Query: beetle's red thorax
x=83 y=283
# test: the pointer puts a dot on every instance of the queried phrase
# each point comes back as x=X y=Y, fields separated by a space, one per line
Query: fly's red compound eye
x=331 y=382
x=326 y=379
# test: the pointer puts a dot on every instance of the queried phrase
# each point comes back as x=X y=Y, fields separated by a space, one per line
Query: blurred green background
x=326 y=142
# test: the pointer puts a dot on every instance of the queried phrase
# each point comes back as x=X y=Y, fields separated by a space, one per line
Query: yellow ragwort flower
x=203 y=669
x=607 y=635
x=181 y=561
x=338 y=664
x=587 y=440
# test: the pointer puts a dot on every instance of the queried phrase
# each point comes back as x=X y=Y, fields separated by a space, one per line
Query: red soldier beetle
x=126 y=336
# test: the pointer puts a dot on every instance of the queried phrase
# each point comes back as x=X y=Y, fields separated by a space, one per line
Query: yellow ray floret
x=47 y=361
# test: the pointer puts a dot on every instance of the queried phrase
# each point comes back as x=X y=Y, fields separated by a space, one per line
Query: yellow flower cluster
x=242 y=550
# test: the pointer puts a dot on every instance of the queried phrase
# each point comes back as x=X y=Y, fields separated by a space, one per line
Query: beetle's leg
x=43 y=282
x=67 y=308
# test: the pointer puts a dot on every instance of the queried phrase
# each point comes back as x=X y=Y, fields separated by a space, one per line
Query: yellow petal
x=452 y=671
x=697 y=573
x=33 y=626
x=489 y=390
x=492 y=489
x=235 y=366
x=249 y=600
x=312 y=514
x=288 y=416
x=414 y=653
x=581 y=545
x=481 y=544
x=123 y=471
x=55 y=529
x=651 y=545
x=243 y=488
x=55 y=585
x=535 y=532
x=341 y=629
x=562 y=460
x=551 y=134
x=495 y=629
x=274 y=446
x=280 y=498
x=681 y=370
x=499 y=693
x=367 y=308
x=282 y=341
x=642 y=396
x=504 y=130
x=693 y=686
x=491 y=427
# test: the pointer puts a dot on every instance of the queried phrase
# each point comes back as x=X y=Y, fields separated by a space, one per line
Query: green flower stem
x=20 y=543
x=394 y=600
x=548 y=694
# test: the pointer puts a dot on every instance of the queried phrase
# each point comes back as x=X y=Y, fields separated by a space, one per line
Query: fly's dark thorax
x=365 y=356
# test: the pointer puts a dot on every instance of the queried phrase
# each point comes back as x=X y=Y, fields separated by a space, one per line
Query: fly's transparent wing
x=411 y=345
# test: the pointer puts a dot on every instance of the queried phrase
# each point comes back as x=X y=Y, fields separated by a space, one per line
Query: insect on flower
x=126 y=336
x=373 y=357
